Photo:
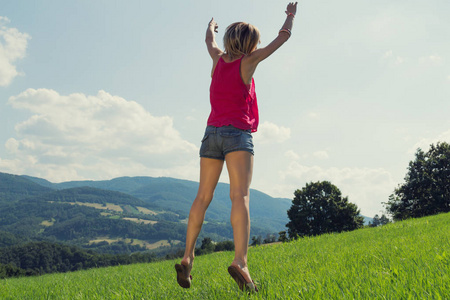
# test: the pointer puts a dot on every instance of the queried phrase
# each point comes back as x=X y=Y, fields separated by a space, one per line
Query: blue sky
x=102 y=89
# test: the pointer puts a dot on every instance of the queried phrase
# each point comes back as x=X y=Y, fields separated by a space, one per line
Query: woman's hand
x=213 y=25
x=213 y=48
x=291 y=8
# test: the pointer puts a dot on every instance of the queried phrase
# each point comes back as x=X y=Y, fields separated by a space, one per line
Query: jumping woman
x=228 y=138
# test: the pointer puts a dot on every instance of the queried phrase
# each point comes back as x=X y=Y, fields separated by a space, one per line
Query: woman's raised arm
x=210 y=40
x=283 y=35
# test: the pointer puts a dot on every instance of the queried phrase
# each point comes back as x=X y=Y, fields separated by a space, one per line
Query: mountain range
x=124 y=214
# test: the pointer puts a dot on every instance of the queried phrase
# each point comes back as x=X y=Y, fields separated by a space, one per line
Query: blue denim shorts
x=219 y=141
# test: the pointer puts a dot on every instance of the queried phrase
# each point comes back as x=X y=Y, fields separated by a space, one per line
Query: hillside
x=404 y=260
x=14 y=187
x=268 y=214
x=107 y=221
x=176 y=195
x=122 y=215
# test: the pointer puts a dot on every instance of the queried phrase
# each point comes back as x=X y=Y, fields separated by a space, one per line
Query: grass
x=405 y=260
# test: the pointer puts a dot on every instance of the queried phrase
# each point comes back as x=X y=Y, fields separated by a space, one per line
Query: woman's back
x=233 y=102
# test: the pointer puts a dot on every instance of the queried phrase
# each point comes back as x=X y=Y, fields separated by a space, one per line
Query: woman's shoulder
x=249 y=58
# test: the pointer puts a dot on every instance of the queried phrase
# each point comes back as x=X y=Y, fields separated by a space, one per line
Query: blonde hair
x=240 y=38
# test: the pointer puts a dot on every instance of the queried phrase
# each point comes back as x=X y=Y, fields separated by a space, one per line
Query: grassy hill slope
x=405 y=260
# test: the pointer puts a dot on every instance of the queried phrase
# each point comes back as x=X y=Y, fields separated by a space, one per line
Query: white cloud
x=271 y=133
x=291 y=155
x=13 y=45
x=12 y=145
x=365 y=187
x=94 y=137
x=425 y=143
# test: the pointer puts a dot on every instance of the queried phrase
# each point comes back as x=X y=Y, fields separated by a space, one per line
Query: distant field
x=161 y=243
x=140 y=220
x=107 y=206
x=146 y=211
x=405 y=260
x=47 y=223
x=113 y=207
x=148 y=245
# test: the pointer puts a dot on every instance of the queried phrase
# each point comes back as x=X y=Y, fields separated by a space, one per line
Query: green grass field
x=406 y=260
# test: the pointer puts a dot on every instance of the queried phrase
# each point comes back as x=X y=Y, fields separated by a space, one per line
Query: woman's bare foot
x=184 y=269
x=242 y=277
x=243 y=269
x=188 y=262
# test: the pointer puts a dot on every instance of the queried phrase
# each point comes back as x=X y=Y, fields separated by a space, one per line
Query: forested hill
x=13 y=187
x=122 y=215
x=176 y=195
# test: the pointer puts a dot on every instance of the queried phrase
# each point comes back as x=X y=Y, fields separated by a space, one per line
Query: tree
x=270 y=238
x=206 y=247
x=375 y=222
x=256 y=240
x=320 y=208
x=224 y=246
x=384 y=220
x=426 y=190
x=379 y=221
x=282 y=237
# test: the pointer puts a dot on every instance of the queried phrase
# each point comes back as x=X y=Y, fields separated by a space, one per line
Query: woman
x=233 y=117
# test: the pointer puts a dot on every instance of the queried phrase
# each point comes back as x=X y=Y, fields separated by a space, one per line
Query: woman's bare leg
x=240 y=170
x=210 y=170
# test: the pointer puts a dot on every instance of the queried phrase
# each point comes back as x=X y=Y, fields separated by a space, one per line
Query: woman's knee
x=204 y=198
x=241 y=196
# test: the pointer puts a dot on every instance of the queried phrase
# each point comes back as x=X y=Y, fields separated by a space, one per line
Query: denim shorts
x=219 y=141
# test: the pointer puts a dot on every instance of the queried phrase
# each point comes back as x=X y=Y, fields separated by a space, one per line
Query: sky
x=93 y=90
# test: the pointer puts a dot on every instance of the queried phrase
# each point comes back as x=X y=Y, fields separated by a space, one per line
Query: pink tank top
x=232 y=101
